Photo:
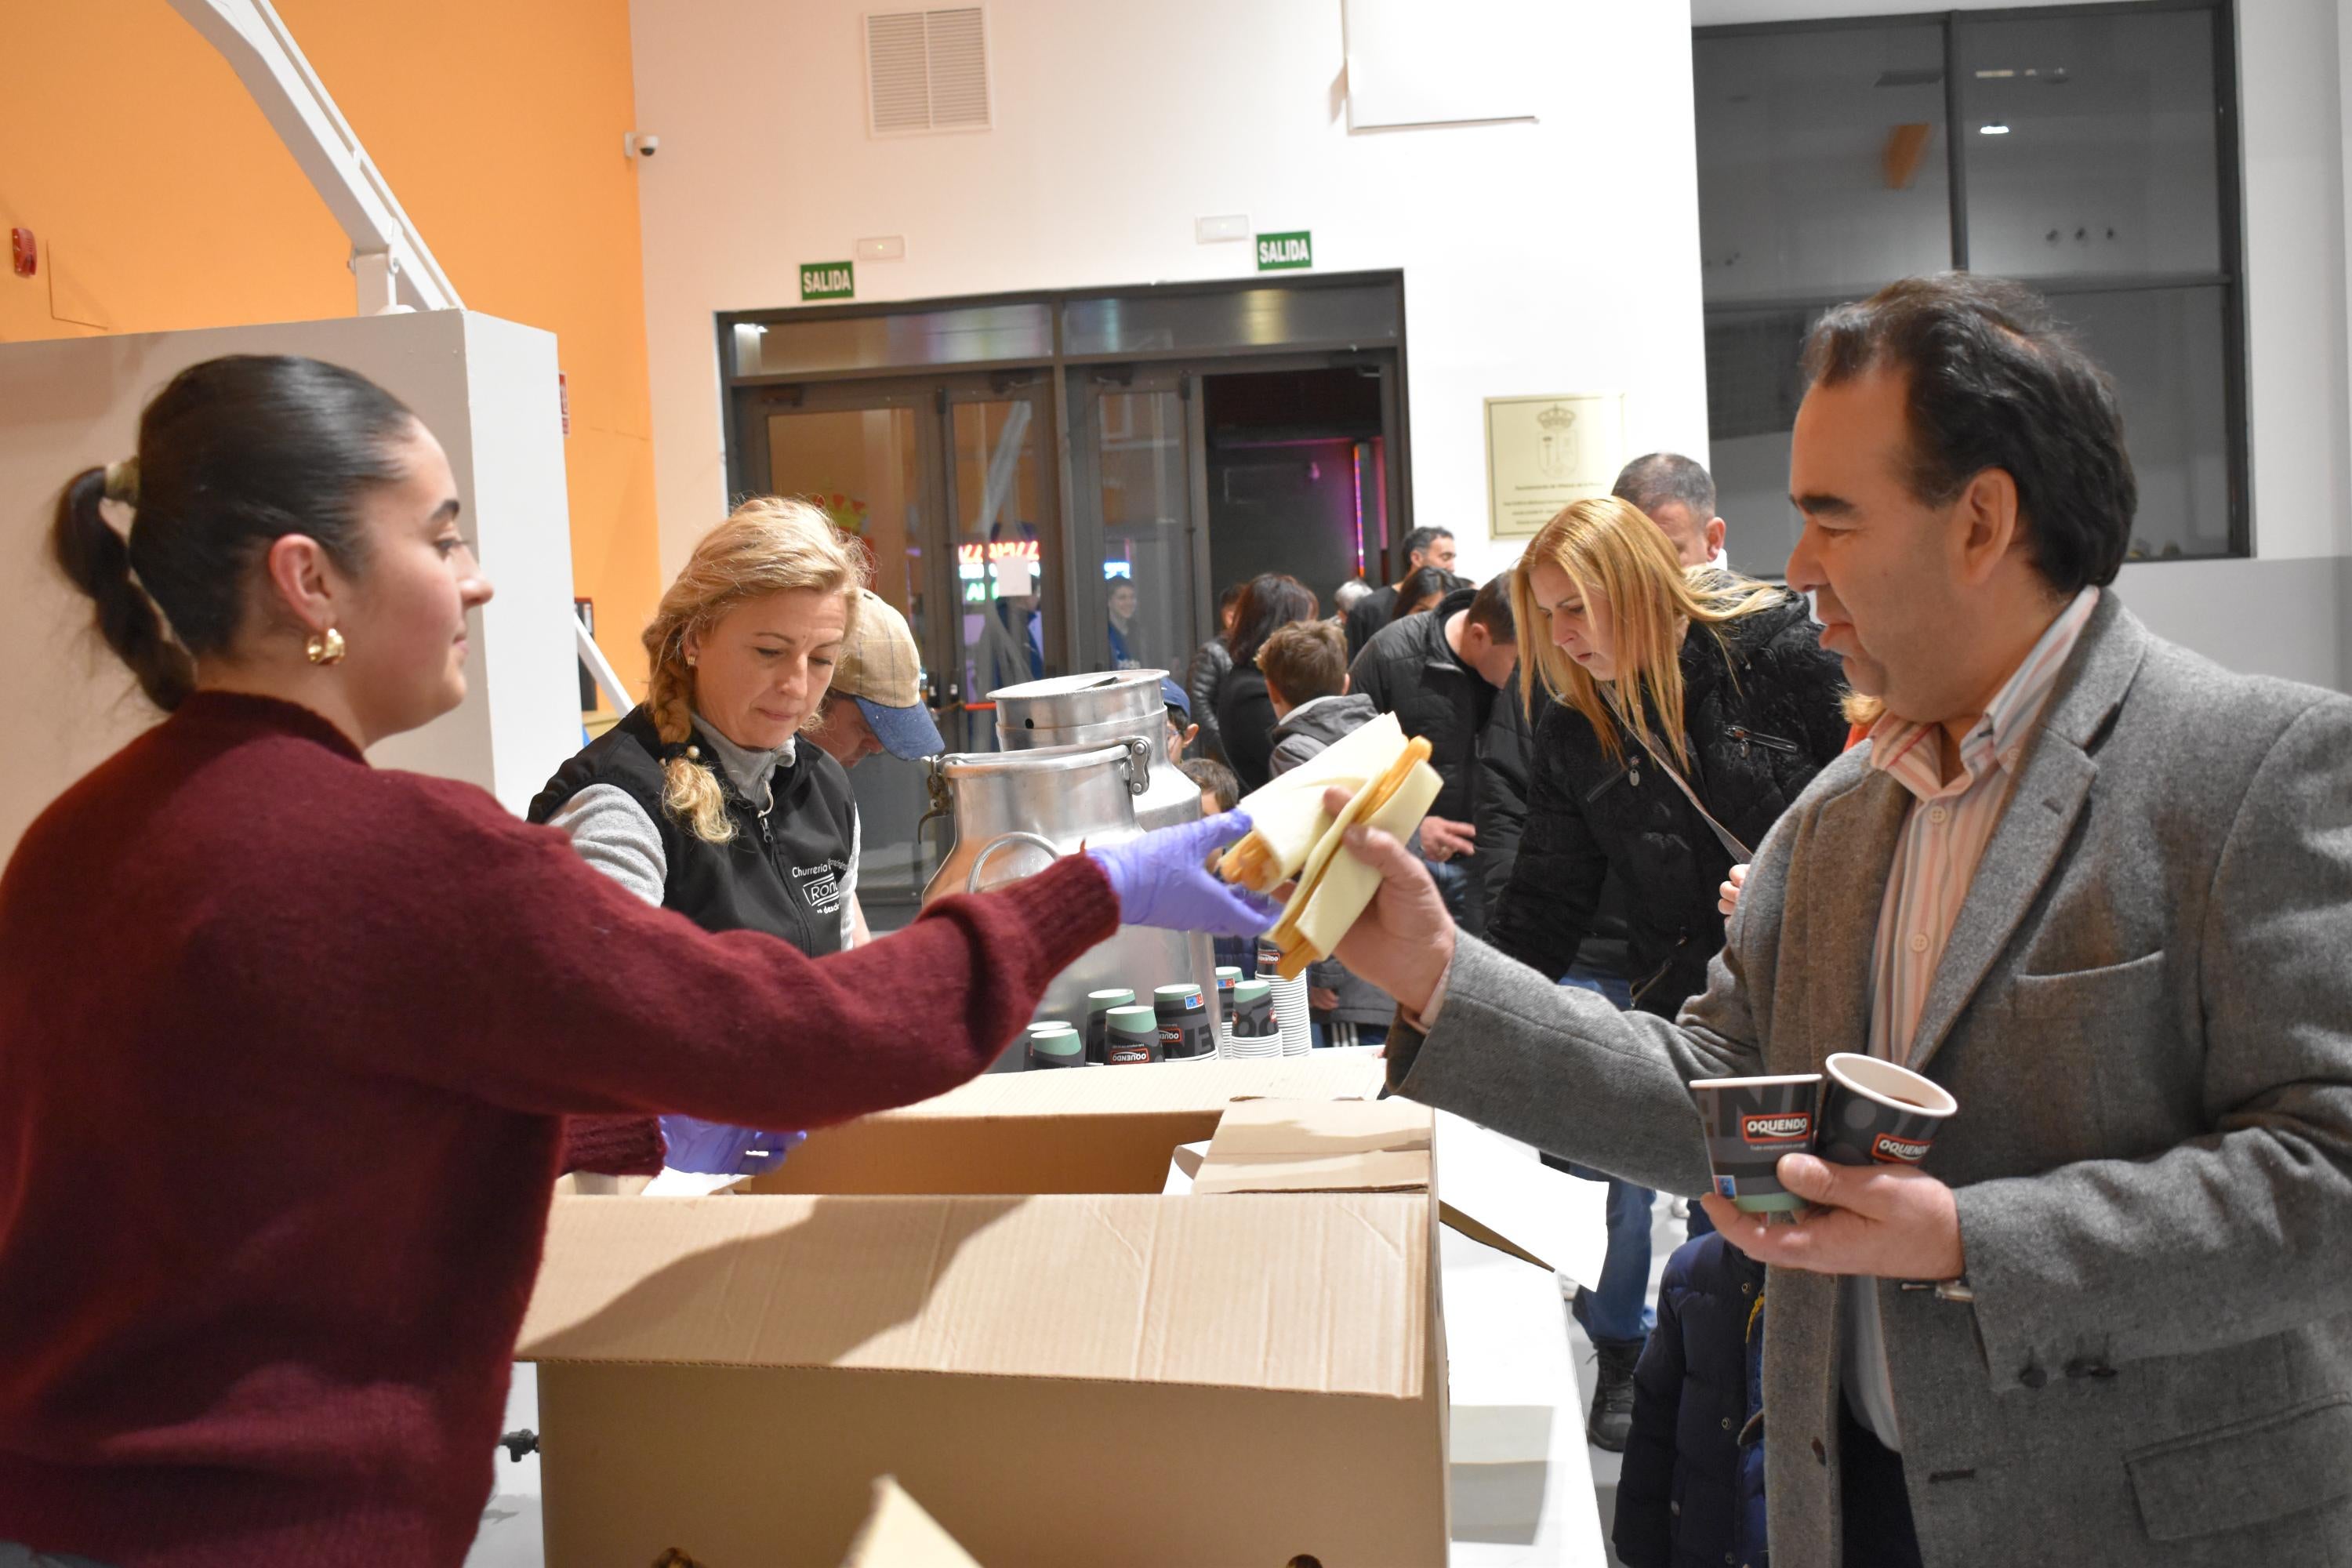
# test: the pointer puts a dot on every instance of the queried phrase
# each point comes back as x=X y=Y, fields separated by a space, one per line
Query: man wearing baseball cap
x=881 y=675
x=875 y=704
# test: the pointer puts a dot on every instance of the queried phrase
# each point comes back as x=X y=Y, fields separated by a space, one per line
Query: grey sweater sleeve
x=614 y=834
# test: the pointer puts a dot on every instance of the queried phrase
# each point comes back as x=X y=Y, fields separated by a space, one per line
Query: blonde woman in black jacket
x=1669 y=696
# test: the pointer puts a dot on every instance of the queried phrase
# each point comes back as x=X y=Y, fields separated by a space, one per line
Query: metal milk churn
x=1084 y=762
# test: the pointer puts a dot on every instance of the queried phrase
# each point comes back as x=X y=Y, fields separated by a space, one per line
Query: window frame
x=2228 y=182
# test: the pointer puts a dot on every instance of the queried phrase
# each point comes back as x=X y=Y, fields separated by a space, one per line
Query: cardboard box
x=899 y=1534
x=987 y=1296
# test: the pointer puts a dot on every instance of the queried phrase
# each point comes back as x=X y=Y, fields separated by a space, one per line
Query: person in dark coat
x=1691 y=1494
x=1423 y=547
x=1438 y=672
x=1212 y=662
x=1244 y=718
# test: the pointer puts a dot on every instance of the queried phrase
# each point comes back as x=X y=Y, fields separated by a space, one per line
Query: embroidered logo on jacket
x=820 y=884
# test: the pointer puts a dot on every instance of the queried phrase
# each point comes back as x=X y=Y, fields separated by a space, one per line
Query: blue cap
x=904 y=733
x=1173 y=695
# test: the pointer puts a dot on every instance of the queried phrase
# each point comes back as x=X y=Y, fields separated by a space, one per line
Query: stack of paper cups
x=1290 y=1008
x=1290 y=1001
x=1255 y=1032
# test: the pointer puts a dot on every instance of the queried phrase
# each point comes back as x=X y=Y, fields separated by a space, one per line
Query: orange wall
x=163 y=200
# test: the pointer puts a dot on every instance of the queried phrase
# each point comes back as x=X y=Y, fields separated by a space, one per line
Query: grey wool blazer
x=2145 y=1013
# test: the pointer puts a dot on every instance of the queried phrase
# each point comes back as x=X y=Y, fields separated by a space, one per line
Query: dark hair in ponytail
x=234 y=455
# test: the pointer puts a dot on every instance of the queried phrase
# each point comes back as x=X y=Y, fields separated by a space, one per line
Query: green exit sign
x=827 y=281
x=1285 y=252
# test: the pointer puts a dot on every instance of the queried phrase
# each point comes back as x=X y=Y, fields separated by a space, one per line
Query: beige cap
x=881 y=661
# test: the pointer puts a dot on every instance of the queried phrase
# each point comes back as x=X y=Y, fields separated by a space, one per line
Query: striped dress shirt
x=1935 y=861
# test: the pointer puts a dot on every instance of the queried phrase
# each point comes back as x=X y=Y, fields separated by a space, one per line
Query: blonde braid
x=690 y=790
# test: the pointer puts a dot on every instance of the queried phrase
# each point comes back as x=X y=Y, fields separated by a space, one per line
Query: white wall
x=1556 y=256
x=487 y=388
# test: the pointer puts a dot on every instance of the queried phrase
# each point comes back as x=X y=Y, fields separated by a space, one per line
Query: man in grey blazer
x=2109 y=1322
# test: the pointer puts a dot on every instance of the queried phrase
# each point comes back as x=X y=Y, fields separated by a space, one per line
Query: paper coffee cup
x=1750 y=1122
x=1877 y=1112
x=1099 y=1006
x=1055 y=1047
x=1184 y=1032
x=1132 y=1036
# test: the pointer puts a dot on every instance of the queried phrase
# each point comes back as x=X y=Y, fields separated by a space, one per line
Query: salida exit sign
x=827 y=281
x=1285 y=252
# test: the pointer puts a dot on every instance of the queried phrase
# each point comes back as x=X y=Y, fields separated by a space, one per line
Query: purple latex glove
x=1163 y=880
x=713 y=1148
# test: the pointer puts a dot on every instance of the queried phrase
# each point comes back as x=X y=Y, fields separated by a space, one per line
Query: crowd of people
x=1938 y=799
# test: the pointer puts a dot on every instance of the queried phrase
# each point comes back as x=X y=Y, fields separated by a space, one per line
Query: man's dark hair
x=1492 y=609
x=1995 y=382
x=1652 y=479
x=1421 y=539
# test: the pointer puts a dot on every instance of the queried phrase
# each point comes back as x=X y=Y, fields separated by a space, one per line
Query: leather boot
x=1611 y=1421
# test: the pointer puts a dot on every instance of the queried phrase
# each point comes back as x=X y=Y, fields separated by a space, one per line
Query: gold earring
x=325 y=648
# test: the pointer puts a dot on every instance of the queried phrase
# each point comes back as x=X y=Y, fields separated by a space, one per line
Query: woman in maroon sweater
x=286 y=1041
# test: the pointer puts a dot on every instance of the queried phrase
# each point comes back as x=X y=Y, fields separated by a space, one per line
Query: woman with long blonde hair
x=1677 y=710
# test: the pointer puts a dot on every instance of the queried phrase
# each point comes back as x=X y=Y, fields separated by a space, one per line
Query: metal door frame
x=1081 y=385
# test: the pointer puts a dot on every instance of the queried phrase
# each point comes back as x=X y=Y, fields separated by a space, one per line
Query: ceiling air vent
x=926 y=70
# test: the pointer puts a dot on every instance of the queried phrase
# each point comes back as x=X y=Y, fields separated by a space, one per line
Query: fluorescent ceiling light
x=1992 y=129
x=1996 y=75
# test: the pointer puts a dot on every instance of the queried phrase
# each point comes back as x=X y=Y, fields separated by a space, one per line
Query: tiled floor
x=1666 y=1233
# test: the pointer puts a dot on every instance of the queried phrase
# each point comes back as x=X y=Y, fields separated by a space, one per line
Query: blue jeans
x=1453 y=879
x=1618 y=1308
x=1366 y=1034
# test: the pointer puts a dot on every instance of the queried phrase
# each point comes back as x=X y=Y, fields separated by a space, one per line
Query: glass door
x=1135 y=460
x=1007 y=605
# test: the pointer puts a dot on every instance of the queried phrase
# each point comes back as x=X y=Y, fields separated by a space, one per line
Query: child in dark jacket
x=1692 y=1492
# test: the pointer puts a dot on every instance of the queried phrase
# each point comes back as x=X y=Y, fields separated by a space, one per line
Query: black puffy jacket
x=1409 y=669
x=1691 y=1492
x=1503 y=760
x=1760 y=724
